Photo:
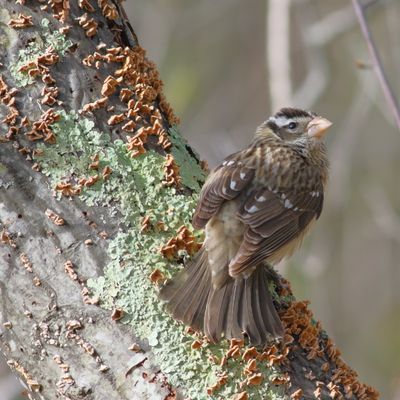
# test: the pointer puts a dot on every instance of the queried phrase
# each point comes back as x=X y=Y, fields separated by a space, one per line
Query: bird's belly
x=232 y=226
x=224 y=234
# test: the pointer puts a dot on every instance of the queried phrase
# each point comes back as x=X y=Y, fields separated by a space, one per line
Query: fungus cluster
x=39 y=66
x=303 y=339
x=184 y=240
x=22 y=21
x=60 y=9
x=54 y=217
x=6 y=238
x=69 y=269
x=248 y=358
x=33 y=384
x=41 y=128
x=108 y=10
x=88 y=24
x=7 y=97
x=138 y=87
x=171 y=172
x=86 y=5
x=66 y=380
x=343 y=383
x=72 y=327
x=26 y=262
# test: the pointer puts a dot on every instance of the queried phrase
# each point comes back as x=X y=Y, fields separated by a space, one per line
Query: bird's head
x=294 y=125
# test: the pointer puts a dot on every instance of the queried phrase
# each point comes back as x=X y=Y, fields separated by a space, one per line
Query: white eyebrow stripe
x=281 y=121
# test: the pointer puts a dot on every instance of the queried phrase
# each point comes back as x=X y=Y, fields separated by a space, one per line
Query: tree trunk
x=97 y=189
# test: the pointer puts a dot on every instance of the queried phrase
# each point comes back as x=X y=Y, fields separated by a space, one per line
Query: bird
x=255 y=209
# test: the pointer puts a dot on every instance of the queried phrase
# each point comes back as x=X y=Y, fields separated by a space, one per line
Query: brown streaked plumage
x=256 y=208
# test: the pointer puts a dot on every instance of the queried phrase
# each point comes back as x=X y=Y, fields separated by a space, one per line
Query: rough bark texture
x=52 y=336
x=44 y=304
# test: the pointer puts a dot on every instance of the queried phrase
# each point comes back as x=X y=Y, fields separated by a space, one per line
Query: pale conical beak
x=317 y=127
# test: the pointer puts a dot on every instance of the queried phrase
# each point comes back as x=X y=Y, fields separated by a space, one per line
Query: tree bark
x=97 y=190
x=54 y=338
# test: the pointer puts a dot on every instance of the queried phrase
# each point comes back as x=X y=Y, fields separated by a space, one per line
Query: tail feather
x=197 y=299
x=234 y=319
x=217 y=304
x=187 y=293
x=241 y=306
x=270 y=320
x=256 y=296
x=198 y=316
x=250 y=323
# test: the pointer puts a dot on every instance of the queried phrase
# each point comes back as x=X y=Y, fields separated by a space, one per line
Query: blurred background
x=227 y=65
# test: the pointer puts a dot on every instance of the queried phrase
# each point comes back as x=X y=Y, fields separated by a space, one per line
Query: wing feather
x=272 y=223
x=224 y=183
x=273 y=215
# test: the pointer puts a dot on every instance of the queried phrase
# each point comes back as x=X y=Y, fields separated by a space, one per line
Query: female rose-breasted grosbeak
x=256 y=208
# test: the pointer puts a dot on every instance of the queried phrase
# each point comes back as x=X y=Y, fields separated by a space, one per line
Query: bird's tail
x=241 y=306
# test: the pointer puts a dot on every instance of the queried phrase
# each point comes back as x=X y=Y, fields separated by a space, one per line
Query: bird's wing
x=226 y=182
x=273 y=219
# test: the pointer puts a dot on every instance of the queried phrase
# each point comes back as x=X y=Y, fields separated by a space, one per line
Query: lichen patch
x=48 y=39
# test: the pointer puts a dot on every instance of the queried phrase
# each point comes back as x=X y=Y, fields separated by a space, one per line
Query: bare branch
x=377 y=63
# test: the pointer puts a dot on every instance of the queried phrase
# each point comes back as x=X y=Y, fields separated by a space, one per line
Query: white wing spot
x=315 y=194
x=253 y=209
x=231 y=162
x=242 y=175
x=233 y=185
x=261 y=198
x=288 y=204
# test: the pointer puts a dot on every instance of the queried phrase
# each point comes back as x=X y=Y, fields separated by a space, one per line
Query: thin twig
x=387 y=90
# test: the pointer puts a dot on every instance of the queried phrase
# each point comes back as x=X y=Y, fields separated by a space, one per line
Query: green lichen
x=135 y=189
x=47 y=38
x=192 y=176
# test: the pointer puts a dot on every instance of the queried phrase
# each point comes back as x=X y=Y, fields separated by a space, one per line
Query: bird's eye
x=292 y=125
